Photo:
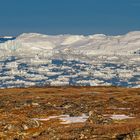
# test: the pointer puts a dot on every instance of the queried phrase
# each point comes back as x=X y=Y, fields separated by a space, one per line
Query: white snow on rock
x=120 y=117
x=78 y=119
x=66 y=119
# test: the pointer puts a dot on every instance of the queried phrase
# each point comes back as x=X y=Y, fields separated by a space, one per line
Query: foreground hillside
x=70 y=113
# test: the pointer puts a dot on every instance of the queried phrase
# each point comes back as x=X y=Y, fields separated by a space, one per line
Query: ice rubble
x=88 y=45
x=28 y=59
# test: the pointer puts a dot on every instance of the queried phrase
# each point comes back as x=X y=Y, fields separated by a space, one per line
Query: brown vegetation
x=19 y=107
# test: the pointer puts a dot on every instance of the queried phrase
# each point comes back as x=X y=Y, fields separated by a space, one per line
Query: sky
x=110 y=17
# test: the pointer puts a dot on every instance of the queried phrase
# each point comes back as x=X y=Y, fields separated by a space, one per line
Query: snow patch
x=120 y=117
x=66 y=119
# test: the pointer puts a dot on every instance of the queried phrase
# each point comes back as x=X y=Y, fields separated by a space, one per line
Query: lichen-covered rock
x=96 y=118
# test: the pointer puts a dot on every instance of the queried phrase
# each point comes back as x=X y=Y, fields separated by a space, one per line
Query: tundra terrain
x=70 y=113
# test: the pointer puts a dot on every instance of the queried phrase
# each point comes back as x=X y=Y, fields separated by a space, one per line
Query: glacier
x=33 y=59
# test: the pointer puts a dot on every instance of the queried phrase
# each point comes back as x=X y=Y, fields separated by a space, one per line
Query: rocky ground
x=70 y=113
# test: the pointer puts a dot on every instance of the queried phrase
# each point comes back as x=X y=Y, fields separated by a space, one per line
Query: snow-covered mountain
x=36 y=59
